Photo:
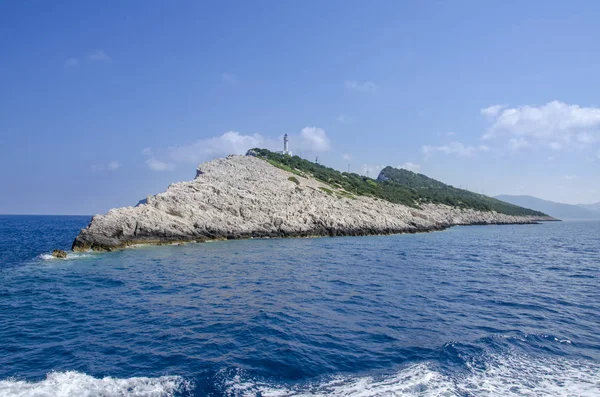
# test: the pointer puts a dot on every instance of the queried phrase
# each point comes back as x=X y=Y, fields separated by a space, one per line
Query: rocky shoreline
x=241 y=197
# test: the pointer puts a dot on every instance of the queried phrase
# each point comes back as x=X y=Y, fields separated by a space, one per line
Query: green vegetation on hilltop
x=437 y=192
x=410 y=179
x=346 y=184
x=393 y=185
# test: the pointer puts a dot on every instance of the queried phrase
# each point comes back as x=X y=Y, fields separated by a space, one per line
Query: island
x=268 y=194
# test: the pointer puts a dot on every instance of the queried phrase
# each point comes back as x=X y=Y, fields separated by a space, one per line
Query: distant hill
x=426 y=189
x=557 y=210
x=591 y=207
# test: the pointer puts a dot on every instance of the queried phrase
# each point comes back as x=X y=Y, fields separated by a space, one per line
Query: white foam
x=506 y=376
x=76 y=384
x=70 y=255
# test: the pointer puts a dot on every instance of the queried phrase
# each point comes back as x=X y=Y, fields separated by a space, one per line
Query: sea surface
x=470 y=311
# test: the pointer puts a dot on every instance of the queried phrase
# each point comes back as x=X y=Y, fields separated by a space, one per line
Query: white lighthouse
x=285 y=146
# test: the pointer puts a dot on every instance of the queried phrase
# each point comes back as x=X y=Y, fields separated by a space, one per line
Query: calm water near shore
x=470 y=311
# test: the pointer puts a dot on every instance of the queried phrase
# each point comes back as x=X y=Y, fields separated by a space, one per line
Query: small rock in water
x=59 y=254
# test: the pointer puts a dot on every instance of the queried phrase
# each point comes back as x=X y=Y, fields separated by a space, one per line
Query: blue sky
x=104 y=103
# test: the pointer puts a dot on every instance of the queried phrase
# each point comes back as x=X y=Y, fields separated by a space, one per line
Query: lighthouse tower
x=285 y=146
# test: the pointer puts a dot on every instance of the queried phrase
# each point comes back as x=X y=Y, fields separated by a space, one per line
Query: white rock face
x=244 y=197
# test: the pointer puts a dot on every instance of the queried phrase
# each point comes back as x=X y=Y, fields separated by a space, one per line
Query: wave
x=503 y=375
x=70 y=255
x=77 y=384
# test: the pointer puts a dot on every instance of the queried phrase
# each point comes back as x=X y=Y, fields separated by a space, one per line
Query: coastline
x=241 y=197
x=165 y=242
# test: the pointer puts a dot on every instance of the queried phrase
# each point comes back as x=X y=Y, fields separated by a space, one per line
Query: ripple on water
x=468 y=312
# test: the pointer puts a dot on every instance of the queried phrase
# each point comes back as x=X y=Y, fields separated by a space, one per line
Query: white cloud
x=98 y=55
x=372 y=171
x=518 y=143
x=555 y=145
x=569 y=177
x=231 y=142
x=446 y=134
x=111 y=166
x=311 y=139
x=555 y=125
x=343 y=118
x=157 y=165
x=454 y=148
x=410 y=166
x=346 y=156
x=315 y=139
x=228 y=78
x=586 y=137
x=365 y=87
x=72 y=62
x=492 y=111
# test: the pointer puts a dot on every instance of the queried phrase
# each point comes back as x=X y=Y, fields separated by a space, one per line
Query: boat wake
x=76 y=384
x=503 y=375
x=506 y=375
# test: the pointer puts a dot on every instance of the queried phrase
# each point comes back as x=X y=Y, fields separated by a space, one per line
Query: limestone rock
x=245 y=196
x=59 y=254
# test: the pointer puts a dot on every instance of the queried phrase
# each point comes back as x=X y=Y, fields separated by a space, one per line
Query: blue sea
x=470 y=311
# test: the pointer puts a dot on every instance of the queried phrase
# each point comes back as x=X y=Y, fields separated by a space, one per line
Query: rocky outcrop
x=245 y=197
x=59 y=254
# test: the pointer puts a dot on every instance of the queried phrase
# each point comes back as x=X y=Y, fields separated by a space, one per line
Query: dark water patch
x=581 y=276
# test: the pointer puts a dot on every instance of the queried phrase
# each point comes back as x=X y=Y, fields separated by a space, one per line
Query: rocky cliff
x=244 y=197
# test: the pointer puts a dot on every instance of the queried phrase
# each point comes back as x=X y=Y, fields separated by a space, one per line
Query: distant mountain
x=557 y=210
x=591 y=207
